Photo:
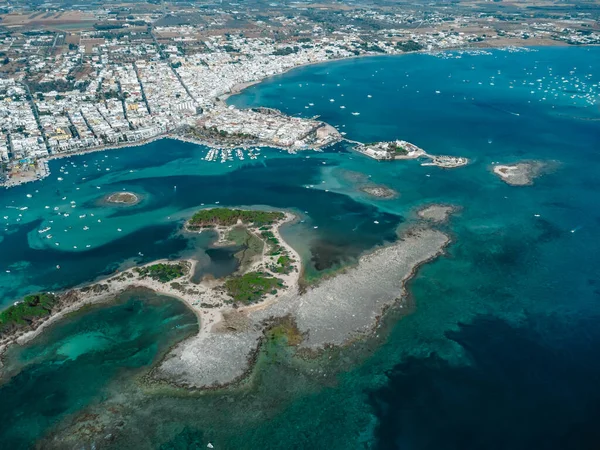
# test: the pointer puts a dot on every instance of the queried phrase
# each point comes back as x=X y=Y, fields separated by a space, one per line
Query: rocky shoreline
x=335 y=312
x=207 y=299
x=522 y=173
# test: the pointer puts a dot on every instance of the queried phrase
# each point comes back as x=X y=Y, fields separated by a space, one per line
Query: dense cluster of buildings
x=131 y=74
x=119 y=101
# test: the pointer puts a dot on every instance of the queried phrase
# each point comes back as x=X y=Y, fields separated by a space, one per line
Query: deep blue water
x=498 y=349
x=526 y=386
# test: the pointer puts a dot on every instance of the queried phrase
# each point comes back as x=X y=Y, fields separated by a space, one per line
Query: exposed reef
x=122 y=198
x=335 y=312
x=523 y=173
x=436 y=213
x=379 y=191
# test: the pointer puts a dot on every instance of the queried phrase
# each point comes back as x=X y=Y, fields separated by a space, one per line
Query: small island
x=379 y=191
x=122 y=198
x=520 y=174
x=395 y=150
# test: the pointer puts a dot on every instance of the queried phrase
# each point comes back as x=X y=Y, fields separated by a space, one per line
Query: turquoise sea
x=499 y=347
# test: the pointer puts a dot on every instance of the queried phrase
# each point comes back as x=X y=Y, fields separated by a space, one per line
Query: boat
x=44 y=230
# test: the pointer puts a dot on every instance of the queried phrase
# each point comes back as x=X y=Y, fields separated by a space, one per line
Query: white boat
x=356 y=114
x=44 y=230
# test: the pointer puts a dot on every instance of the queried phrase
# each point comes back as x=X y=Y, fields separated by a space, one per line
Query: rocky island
x=520 y=174
x=379 y=191
x=122 y=198
x=436 y=213
x=236 y=311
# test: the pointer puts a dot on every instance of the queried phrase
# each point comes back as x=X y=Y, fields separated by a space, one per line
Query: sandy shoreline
x=203 y=298
x=335 y=312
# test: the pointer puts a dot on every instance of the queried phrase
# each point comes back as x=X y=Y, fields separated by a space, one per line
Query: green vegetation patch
x=274 y=247
x=23 y=313
x=162 y=272
x=409 y=46
x=227 y=217
x=252 y=287
x=286 y=332
x=283 y=264
x=398 y=148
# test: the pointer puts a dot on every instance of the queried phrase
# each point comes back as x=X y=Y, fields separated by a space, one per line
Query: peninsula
x=235 y=312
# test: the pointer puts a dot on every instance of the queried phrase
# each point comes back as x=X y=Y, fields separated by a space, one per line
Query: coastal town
x=100 y=77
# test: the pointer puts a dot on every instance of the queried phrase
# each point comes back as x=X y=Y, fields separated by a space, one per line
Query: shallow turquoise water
x=72 y=364
x=499 y=349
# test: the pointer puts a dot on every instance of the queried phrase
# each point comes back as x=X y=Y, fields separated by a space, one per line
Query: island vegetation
x=27 y=311
x=252 y=287
x=227 y=217
x=162 y=272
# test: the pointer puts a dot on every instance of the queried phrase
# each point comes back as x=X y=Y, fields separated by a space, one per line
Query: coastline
x=205 y=298
x=236 y=89
x=336 y=312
